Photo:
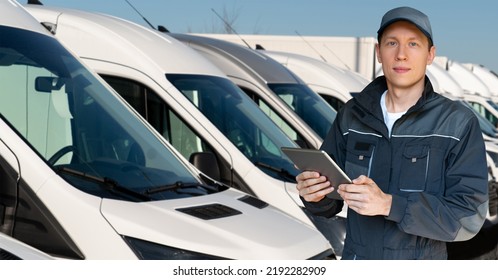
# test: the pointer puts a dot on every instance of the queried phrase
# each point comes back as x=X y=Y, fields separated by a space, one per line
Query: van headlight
x=146 y=250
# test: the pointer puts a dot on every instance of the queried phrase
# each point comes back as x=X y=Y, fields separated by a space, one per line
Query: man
x=418 y=159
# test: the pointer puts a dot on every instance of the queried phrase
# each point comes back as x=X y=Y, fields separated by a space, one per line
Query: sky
x=463 y=31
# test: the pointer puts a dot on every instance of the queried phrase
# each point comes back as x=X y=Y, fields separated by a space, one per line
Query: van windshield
x=308 y=105
x=81 y=129
x=240 y=120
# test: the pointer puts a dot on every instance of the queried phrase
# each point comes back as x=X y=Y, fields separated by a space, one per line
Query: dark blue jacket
x=434 y=165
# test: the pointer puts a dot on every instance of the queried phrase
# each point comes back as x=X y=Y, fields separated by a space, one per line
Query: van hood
x=228 y=224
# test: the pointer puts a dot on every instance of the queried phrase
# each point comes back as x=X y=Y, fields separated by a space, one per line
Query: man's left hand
x=365 y=197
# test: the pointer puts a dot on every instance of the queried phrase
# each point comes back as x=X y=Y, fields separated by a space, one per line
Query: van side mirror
x=47 y=84
x=207 y=163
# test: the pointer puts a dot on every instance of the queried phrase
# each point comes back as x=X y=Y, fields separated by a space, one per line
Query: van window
x=485 y=113
x=290 y=131
x=493 y=104
x=308 y=105
x=240 y=120
x=78 y=126
x=173 y=128
x=150 y=106
x=485 y=125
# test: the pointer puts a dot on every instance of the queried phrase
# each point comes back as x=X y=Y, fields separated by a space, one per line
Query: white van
x=488 y=77
x=334 y=84
x=443 y=82
x=475 y=91
x=297 y=109
x=189 y=101
x=470 y=83
x=84 y=177
x=354 y=53
x=485 y=106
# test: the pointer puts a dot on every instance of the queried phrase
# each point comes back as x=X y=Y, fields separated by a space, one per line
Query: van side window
x=150 y=106
x=185 y=140
x=277 y=119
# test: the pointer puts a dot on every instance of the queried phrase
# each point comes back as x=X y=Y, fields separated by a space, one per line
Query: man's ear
x=432 y=55
x=377 y=52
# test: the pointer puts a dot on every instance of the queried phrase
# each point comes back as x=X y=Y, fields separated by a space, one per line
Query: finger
x=307 y=175
x=318 y=195
x=351 y=197
x=310 y=182
x=352 y=188
x=363 y=180
x=313 y=188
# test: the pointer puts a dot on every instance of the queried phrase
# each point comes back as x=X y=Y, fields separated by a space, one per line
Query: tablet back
x=321 y=162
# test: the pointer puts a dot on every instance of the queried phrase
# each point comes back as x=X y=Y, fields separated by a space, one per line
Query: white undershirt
x=389 y=118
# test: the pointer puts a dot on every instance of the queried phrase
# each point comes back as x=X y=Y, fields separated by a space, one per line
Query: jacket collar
x=367 y=102
x=369 y=97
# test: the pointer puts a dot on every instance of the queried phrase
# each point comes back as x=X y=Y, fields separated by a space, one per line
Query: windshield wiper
x=214 y=186
x=172 y=187
x=280 y=171
x=106 y=183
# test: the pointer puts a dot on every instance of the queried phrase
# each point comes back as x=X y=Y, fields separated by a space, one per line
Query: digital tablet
x=321 y=162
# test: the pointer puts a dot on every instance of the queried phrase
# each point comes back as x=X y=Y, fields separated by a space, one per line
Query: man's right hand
x=313 y=187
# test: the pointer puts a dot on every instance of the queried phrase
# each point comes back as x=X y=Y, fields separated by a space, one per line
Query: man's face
x=404 y=53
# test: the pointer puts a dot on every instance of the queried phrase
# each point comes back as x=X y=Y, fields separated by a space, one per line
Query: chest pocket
x=414 y=168
x=359 y=159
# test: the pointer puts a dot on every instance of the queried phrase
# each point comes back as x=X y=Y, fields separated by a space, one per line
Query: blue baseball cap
x=414 y=16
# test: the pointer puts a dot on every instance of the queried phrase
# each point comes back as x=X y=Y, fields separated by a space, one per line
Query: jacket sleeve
x=332 y=145
x=460 y=212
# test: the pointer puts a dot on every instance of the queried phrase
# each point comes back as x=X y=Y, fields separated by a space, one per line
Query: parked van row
x=219 y=113
x=192 y=96
x=84 y=176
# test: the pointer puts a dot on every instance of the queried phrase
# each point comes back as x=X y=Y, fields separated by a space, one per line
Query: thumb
x=362 y=179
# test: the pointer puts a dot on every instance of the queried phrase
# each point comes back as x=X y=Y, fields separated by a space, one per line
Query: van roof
x=446 y=83
x=125 y=42
x=469 y=82
x=14 y=15
x=343 y=79
x=265 y=67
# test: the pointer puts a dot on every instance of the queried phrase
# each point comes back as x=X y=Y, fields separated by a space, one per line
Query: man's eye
x=413 y=44
x=391 y=43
